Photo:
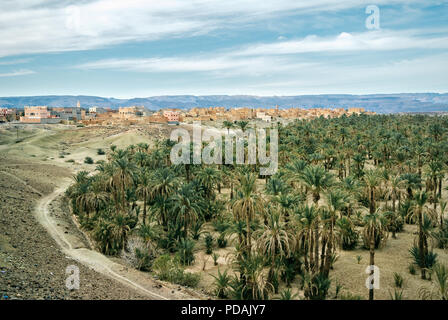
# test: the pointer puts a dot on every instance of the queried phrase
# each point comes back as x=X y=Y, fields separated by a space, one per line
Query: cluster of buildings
x=267 y=115
x=139 y=114
x=44 y=114
x=7 y=115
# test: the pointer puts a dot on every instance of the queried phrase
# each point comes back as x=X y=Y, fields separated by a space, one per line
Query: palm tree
x=163 y=184
x=123 y=177
x=372 y=181
x=144 y=190
x=441 y=285
x=307 y=219
x=95 y=199
x=286 y=202
x=316 y=179
x=274 y=240
x=352 y=187
x=412 y=181
x=228 y=125
x=247 y=204
x=186 y=206
x=374 y=224
x=242 y=124
x=335 y=202
x=396 y=186
x=418 y=210
x=209 y=178
x=432 y=172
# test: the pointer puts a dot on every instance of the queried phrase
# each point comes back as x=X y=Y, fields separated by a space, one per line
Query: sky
x=143 y=48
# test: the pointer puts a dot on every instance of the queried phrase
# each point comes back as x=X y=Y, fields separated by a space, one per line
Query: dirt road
x=95 y=260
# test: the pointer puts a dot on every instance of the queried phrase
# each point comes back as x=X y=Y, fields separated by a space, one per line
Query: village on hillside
x=139 y=114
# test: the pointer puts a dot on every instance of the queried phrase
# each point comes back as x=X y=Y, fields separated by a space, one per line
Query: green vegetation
x=88 y=160
x=342 y=183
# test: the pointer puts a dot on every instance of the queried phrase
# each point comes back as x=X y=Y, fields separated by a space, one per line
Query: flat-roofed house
x=171 y=116
x=38 y=114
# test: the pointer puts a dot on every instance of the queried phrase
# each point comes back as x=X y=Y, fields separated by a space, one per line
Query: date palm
x=228 y=125
x=307 y=217
x=144 y=190
x=274 y=240
x=185 y=204
x=163 y=184
x=418 y=211
x=242 y=124
x=96 y=198
x=209 y=178
x=371 y=181
x=123 y=177
x=335 y=202
x=247 y=204
x=396 y=189
x=374 y=224
x=316 y=179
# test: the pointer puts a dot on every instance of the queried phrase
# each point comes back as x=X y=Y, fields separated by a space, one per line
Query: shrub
x=398 y=280
x=209 y=244
x=169 y=269
x=222 y=282
x=185 y=251
x=394 y=222
x=222 y=241
x=315 y=287
x=100 y=152
x=412 y=269
x=349 y=235
x=88 y=160
x=215 y=257
x=291 y=267
x=137 y=254
x=430 y=258
x=397 y=295
x=379 y=239
x=287 y=295
x=220 y=225
x=442 y=236
x=196 y=229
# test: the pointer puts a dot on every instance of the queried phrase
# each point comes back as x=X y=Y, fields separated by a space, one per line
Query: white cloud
x=13 y=62
x=424 y=74
x=221 y=66
x=273 y=58
x=16 y=73
x=380 y=40
x=54 y=26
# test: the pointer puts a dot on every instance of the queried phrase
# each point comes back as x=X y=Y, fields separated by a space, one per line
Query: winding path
x=95 y=260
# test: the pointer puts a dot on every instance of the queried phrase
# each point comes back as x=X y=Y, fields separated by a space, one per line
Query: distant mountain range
x=380 y=103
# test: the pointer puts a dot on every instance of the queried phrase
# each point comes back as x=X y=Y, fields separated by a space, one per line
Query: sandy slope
x=38 y=239
x=96 y=260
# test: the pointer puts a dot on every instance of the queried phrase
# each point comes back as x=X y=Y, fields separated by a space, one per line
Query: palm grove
x=342 y=183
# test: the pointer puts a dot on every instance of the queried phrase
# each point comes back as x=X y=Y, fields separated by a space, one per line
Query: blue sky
x=141 y=48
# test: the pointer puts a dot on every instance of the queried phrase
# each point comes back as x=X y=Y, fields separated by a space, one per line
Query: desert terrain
x=39 y=237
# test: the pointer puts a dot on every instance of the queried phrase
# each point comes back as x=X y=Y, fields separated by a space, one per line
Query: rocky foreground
x=31 y=264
